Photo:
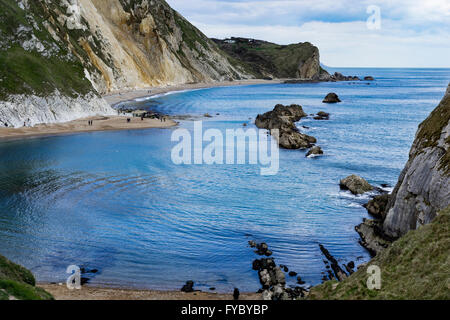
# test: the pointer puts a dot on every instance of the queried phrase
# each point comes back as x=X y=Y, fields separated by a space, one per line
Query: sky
x=395 y=33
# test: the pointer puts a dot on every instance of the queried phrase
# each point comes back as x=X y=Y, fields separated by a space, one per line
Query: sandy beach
x=117 y=97
x=108 y=123
x=99 y=123
x=60 y=292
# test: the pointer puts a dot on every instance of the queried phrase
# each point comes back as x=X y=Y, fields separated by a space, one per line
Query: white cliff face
x=29 y=110
x=140 y=44
x=423 y=188
x=74 y=50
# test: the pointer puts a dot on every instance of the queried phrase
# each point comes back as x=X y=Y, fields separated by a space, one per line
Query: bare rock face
x=355 y=185
x=283 y=119
x=372 y=236
x=423 y=188
x=377 y=206
x=331 y=98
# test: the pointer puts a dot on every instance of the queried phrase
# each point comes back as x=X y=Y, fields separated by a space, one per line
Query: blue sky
x=412 y=33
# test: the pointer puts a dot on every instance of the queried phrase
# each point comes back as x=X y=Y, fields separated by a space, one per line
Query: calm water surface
x=114 y=201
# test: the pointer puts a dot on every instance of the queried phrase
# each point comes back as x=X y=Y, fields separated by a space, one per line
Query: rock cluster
x=337 y=76
x=331 y=98
x=272 y=277
x=355 y=185
x=283 y=119
x=322 y=115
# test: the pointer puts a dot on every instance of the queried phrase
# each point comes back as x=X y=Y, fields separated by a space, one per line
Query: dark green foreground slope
x=18 y=283
x=417 y=266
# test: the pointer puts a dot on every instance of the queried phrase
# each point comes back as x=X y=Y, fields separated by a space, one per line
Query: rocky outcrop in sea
x=283 y=118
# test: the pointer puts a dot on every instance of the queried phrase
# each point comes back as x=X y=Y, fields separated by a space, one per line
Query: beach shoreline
x=99 y=123
x=61 y=292
x=117 y=123
x=115 y=98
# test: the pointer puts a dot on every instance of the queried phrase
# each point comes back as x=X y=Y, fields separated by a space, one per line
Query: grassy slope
x=26 y=72
x=19 y=283
x=417 y=266
x=264 y=57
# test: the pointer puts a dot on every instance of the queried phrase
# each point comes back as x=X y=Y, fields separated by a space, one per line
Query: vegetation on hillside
x=18 y=283
x=417 y=266
x=266 y=58
x=430 y=131
x=31 y=62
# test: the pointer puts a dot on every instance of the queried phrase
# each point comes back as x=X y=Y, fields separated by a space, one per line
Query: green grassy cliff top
x=417 y=266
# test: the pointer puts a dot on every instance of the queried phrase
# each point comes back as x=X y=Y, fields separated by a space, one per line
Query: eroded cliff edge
x=423 y=188
x=58 y=57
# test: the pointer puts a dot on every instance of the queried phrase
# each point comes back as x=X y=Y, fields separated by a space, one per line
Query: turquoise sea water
x=114 y=201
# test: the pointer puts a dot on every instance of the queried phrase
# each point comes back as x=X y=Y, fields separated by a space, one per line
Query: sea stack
x=331 y=98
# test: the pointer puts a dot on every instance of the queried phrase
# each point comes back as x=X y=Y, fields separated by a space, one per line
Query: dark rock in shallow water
x=188 y=287
x=322 y=115
x=338 y=272
x=349 y=267
x=285 y=268
x=331 y=98
x=292 y=274
x=283 y=119
x=355 y=185
x=262 y=248
x=295 y=140
x=369 y=78
x=236 y=294
x=300 y=281
x=314 y=152
x=377 y=207
x=252 y=244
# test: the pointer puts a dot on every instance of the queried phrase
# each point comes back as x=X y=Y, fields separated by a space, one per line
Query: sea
x=117 y=203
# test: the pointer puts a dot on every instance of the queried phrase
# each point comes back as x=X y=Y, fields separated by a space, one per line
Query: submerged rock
x=322 y=115
x=188 y=287
x=355 y=185
x=314 y=151
x=331 y=98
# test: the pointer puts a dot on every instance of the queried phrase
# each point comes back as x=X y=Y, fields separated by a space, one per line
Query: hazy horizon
x=347 y=33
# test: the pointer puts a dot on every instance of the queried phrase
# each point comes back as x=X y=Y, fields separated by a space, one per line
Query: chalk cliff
x=57 y=57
